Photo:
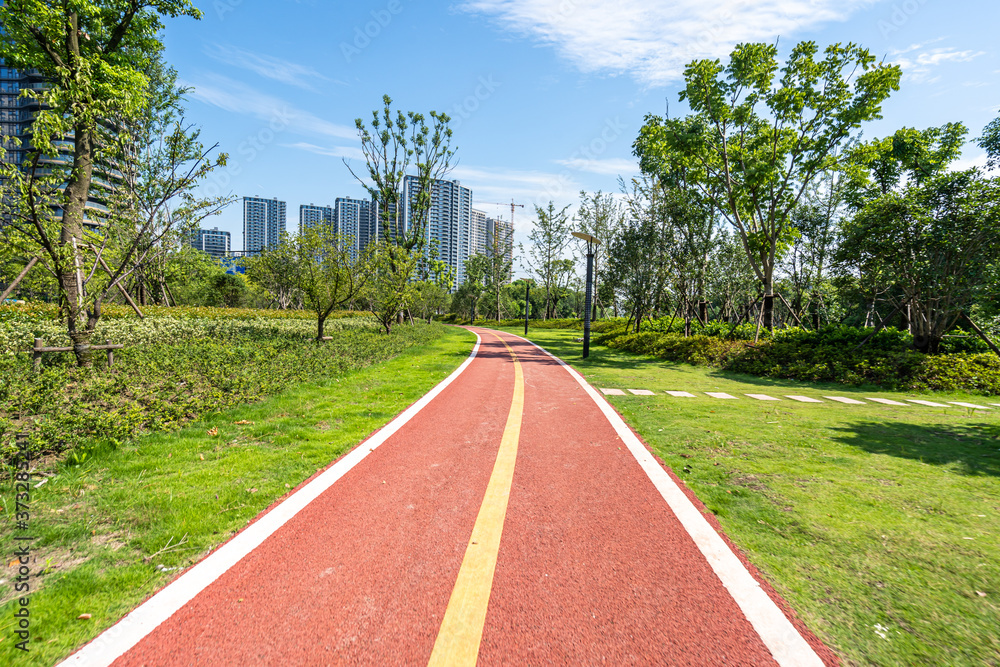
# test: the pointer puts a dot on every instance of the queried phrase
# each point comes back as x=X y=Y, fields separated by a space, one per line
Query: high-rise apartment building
x=449 y=221
x=215 y=242
x=356 y=222
x=17 y=113
x=264 y=222
x=311 y=215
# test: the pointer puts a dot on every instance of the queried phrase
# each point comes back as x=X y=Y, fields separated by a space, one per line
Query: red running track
x=593 y=567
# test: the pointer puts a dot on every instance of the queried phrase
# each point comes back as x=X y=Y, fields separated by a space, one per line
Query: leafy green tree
x=276 y=271
x=636 y=256
x=817 y=221
x=95 y=55
x=394 y=145
x=601 y=216
x=390 y=290
x=329 y=274
x=550 y=237
x=476 y=276
x=990 y=142
x=499 y=266
x=930 y=234
x=758 y=136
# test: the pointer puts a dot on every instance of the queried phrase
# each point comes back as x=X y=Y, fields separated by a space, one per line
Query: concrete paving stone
x=719 y=394
x=642 y=392
x=804 y=399
x=612 y=392
x=970 y=405
x=885 y=401
x=681 y=394
x=842 y=399
x=930 y=404
x=763 y=397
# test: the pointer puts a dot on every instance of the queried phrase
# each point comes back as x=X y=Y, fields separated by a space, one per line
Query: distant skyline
x=546 y=96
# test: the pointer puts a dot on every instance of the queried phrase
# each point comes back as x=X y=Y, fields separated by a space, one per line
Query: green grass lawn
x=104 y=526
x=879 y=524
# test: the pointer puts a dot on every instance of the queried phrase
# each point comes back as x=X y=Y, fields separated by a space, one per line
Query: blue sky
x=546 y=95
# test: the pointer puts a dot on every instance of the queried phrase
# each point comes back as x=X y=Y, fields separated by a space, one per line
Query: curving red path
x=593 y=567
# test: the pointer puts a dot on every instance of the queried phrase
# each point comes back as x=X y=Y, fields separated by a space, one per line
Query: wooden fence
x=40 y=348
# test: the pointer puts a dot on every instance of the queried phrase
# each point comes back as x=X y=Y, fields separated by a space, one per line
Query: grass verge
x=877 y=523
x=99 y=524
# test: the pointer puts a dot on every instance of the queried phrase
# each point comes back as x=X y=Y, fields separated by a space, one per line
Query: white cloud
x=233 y=96
x=918 y=62
x=653 y=41
x=607 y=167
x=531 y=188
x=963 y=163
x=349 y=152
x=268 y=67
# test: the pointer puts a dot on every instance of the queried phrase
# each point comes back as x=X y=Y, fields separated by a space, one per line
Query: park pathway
x=512 y=519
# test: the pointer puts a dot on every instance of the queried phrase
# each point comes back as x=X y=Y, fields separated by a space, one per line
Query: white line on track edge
x=119 y=638
x=787 y=646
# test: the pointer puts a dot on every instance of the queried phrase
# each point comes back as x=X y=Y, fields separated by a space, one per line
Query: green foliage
x=391 y=145
x=172 y=370
x=990 y=142
x=759 y=135
x=391 y=289
x=929 y=234
x=830 y=354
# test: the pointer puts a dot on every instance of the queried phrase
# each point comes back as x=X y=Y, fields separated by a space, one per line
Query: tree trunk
x=703 y=312
x=320 y=322
x=70 y=277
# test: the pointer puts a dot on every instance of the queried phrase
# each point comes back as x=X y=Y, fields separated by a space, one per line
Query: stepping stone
x=842 y=399
x=996 y=404
x=613 y=392
x=763 y=397
x=719 y=394
x=885 y=401
x=804 y=399
x=642 y=392
x=681 y=394
x=970 y=405
x=930 y=404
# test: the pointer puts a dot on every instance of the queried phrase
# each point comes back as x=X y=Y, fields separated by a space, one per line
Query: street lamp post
x=527 y=303
x=592 y=243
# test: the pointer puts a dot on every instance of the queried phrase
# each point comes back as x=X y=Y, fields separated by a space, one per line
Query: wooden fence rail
x=40 y=348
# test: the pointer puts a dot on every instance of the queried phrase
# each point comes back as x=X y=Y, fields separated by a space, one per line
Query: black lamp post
x=592 y=243
x=527 y=303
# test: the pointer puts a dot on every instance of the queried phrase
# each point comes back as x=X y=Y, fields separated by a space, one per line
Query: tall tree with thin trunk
x=758 y=136
x=601 y=216
x=94 y=56
x=550 y=237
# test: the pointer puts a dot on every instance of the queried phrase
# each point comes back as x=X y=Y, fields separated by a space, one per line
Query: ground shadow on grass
x=974 y=447
x=761 y=381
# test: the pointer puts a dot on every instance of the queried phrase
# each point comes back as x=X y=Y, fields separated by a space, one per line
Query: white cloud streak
x=653 y=41
x=268 y=67
x=918 y=62
x=236 y=97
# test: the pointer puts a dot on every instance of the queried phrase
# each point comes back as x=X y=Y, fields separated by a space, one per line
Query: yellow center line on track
x=462 y=627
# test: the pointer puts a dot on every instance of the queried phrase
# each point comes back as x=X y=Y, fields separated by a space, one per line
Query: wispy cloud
x=531 y=187
x=236 y=97
x=653 y=41
x=607 y=167
x=268 y=67
x=918 y=62
x=349 y=152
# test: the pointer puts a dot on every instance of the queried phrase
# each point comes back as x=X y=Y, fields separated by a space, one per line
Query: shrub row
x=174 y=371
x=830 y=354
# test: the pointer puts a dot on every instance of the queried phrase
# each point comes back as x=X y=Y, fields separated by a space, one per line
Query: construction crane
x=512 y=206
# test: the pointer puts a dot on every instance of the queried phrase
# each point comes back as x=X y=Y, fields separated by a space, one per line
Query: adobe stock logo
x=363 y=36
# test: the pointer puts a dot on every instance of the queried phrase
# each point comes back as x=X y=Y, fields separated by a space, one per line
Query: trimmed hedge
x=826 y=355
